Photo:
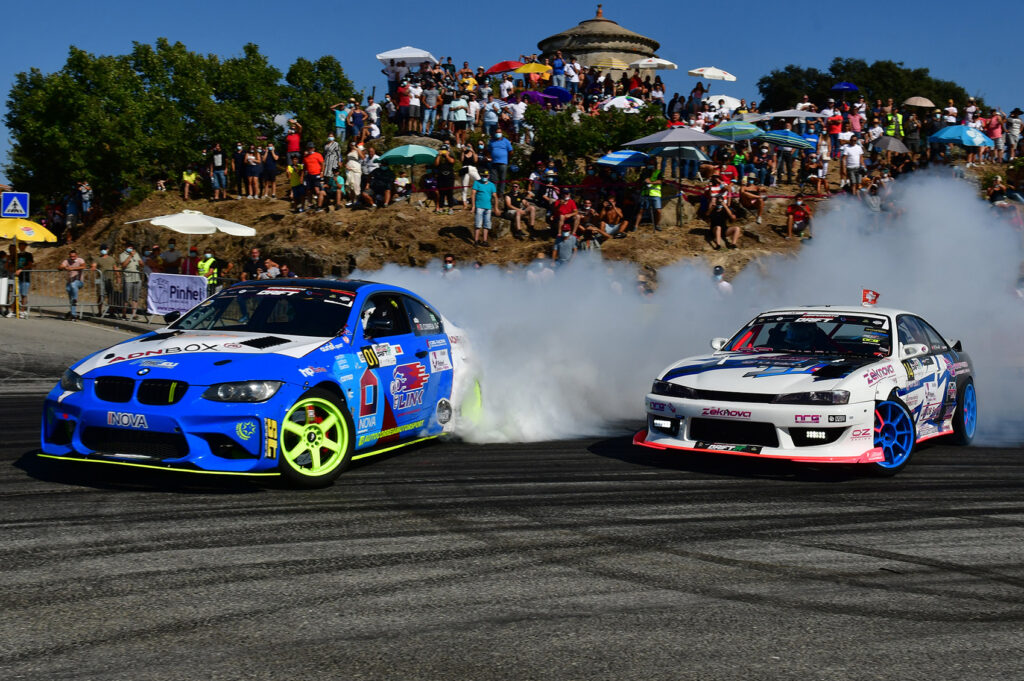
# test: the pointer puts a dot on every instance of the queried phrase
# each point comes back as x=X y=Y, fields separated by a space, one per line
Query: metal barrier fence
x=103 y=293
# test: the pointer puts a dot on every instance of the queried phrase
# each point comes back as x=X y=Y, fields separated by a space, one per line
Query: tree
x=313 y=88
x=782 y=89
x=561 y=135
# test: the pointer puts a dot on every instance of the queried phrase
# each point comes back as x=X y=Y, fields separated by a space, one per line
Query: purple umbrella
x=559 y=93
x=536 y=98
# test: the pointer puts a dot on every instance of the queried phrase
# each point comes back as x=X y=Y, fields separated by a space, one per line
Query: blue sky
x=748 y=39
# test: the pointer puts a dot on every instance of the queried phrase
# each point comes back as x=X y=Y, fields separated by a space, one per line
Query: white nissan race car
x=825 y=384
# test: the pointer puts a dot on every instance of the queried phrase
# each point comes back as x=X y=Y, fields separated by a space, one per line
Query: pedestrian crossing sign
x=14 y=204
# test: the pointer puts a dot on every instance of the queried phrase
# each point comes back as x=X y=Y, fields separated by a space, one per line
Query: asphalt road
x=561 y=560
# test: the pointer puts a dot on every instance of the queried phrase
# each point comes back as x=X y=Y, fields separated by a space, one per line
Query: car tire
x=895 y=434
x=313 y=454
x=965 y=418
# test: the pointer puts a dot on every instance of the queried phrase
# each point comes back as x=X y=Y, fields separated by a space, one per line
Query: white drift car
x=818 y=384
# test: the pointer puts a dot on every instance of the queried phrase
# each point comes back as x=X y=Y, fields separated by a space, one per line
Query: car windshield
x=825 y=333
x=282 y=310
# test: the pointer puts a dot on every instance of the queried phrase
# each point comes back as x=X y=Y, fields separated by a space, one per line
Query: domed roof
x=593 y=32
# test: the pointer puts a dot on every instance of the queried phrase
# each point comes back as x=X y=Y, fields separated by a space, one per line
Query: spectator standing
x=353 y=170
x=297 y=182
x=415 y=104
x=218 y=173
x=238 y=166
x=314 y=163
x=373 y=110
x=718 y=219
x=171 y=257
x=651 y=179
x=24 y=263
x=483 y=197
x=1014 y=127
x=448 y=269
x=459 y=113
x=444 y=168
x=332 y=156
x=85 y=198
x=214 y=269
x=5 y=273
x=558 y=70
x=501 y=149
x=253 y=266
x=357 y=123
x=470 y=172
x=721 y=285
x=253 y=166
x=107 y=280
x=74 y=266
x=429 y=98
x=131 y=264
x=268 y=175
x=341 y=111
x=293 y=141
x=190 y=265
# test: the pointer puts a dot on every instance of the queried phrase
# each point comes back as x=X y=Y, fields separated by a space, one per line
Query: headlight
x=242 y=391
x=672 y=390
x=71 y=380
x=819 y=397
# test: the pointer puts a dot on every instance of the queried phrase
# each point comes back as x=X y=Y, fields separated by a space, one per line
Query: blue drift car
x=283 y=377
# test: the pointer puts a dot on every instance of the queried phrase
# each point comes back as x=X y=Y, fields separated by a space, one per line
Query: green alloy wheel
x=316 y=440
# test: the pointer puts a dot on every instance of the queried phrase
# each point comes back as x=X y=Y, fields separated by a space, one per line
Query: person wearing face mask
x=190 y=265
x=238 y=166
x=218 y=170
x=171 y=256
x=501 y=150
x=131 y=264
x=798 y=217
x=214 y=269
x=332 y=156
x=268 y=176
x=470 y=172
x=448 y=270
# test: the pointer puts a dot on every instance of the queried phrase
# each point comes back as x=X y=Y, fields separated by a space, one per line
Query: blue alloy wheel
x=894 y=433
x=965 y=420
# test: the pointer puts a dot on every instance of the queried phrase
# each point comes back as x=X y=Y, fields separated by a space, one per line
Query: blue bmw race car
x=281 y=377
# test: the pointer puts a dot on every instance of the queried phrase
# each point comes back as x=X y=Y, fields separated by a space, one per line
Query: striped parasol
x=735 y=130
x=609 y=64
x=624 y=158
x=785 y=138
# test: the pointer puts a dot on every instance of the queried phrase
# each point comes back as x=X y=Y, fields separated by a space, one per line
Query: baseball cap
x=719 y=270
x=310 y=145
x=566 y=228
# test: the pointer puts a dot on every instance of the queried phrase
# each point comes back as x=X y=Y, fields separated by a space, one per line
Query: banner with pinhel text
x=174 y=292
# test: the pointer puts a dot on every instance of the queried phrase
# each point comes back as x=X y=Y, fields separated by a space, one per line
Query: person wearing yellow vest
x=894 y=124
x=213 y=269
x=651 y=194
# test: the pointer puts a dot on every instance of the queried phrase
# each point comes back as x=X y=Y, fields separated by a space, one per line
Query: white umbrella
x=684 y=153
x=731 y=103
x=407 y=54
x=794 y=113
x=194 y=222
x=654 y=63
x=711 y=73
x=626 y=103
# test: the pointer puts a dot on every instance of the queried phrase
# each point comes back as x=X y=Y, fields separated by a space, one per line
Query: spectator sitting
x=813 y=172
x=401 y=186
x=517 y=206
x=612 y=220
x=189 y=182
x=270 y=270
x=286 y=273
x=798 y=218
x=752 y=197
x=377 y=192
x=564 y=211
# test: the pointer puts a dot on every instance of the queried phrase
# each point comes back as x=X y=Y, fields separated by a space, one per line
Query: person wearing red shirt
x=190 y=264
x=313 y=162
x=565 y=210
x=834 y=126
x=293 y=141
x=798 y=215
x=403 y=105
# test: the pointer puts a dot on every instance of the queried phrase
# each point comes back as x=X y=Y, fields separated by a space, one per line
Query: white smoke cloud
x=574 y=356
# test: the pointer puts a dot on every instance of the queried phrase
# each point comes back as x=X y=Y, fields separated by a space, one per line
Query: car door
x=397 y=358
x=432 y=345
x=923 y=394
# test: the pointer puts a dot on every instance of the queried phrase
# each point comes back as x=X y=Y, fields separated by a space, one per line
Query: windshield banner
x=174 y=292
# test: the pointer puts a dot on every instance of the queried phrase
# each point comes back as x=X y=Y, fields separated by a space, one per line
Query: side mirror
x=718 y=343
x=913 y=350
x=171 y=316
x=956 y=345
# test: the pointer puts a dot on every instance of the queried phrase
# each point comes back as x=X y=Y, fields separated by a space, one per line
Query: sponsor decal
x=245 y=430
x=275 y=291
x=270 y=444
x=126 y=419
x=912 y=401
x=455 y=339
x=440 y=361
x=155 y=363
x=335 y=344
x=309 y=372
x=657 y=406
x=380 y=355
x=142 y=372
x=961 y=368
x=751 y=449
x=877 y=374
x=862 y=434
x=909 y=369
x=437 y=343
x=429 y=327
x=345 y=378
x=173 y=350
x=951 y=391
x=363 y=439
x=723 y=411
x=815 y=318
x=444 y=411
x=407 y=386
x=807 y=418
x=837 y=418
x=341 y=363
x=367 y=423
x=369 y=388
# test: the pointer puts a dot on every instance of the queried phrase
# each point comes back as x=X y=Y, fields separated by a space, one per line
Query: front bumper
x=818 y=434
x=194 y=434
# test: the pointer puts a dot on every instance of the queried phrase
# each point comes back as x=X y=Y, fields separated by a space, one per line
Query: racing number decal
x=370 y=356
x=270 y=426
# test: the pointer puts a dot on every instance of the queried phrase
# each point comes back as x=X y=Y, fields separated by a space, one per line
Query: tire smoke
x=573 y=355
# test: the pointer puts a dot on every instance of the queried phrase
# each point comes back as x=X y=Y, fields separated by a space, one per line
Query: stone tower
x=599 y=40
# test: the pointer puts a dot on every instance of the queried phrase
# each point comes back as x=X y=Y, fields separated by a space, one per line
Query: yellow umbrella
x=610 y=64
x=533 y=67
x=21 y=229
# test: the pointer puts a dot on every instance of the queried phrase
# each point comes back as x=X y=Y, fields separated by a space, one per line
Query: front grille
x=121 y=441
x=723 y=431
x=801 y=439
x=114 y=388
x=721 y=395
x=161 y=391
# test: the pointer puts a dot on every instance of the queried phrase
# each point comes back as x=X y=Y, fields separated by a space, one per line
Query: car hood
x=765 y=373
x=219 y=355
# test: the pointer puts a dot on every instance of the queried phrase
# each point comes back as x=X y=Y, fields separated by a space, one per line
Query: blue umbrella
x=624 y=158
x=561 y=93
x=844 y=87
x=785 y=138
x=735 y=130
x=962 y=134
